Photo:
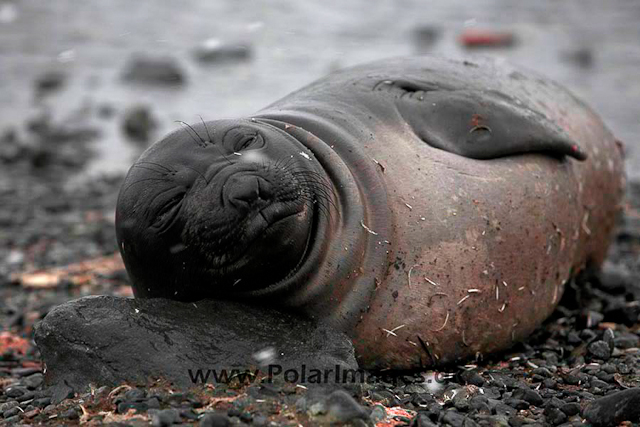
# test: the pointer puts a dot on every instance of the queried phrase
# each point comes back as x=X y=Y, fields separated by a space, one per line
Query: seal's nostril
x=265 y=190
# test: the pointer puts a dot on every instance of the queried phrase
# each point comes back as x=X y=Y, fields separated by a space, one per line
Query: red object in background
x=486 y=38
x=9 y=341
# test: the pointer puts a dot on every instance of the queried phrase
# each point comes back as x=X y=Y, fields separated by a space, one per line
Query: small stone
x=600 y=350
x=246 y=417
x=154 y=70
x=341 y=407
x=215 y=50
x=609 y=337
x=555 y=416
x=42 y=402
x=15 y=391
x=123 y=407
x=318 y=408
x=139 y=124
x=215 y=420
x=573 y=338
x=517 y=403
x=544 y=372
x=587 y=334
x=472 y=377
x=626 y=340
x=11 y=412
x=453 y=418
x=530 y=396
x=33 y=381
x=599 y=383
x=27 y=396
x=422 y=420
x=165 y=417
x=260 y=421
x=378 y=413
x=8 y=405
x=25 y=372
x=49 y=82
x=570 y=409
x=135 y=394
x=503 y=409
x=70 y=414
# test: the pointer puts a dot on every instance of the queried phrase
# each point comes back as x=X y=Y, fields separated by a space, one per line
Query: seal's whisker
x=168 y=169
x=206 y=129
x=198 y=172
x=143 y=180
x=200 y=141
x=163 y=173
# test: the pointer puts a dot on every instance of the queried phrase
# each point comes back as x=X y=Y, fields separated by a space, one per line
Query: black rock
x=517 y=403
x=108 y=340
x=15 y=391
x=626 y=313
x=49 y=82
x=342 y=408
x=154 y=70
x=139 y=124
x=260 y=421
x=626 y=340
x=135 y=394
x=570 y=409
x=215 y=420
x=615 y=408
x=609 y=336
x=123 y=407
x=165 y=417
x=422 y=420
x=33 y=381
x=70 y=414
x=472 y=377
x=555 y=416
x=214 y=50
x=42 y=402
x=530 y=396
x=453 y=418
x=600 y=350
x=11 y=412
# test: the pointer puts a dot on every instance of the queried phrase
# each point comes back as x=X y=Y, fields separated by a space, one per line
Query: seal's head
x=218 y=208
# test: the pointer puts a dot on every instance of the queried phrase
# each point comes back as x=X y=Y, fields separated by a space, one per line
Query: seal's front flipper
x=483 y=125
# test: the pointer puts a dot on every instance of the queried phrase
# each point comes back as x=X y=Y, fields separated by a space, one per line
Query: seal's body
x=430 y=208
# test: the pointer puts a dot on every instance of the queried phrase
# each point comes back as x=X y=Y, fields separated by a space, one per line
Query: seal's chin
x=263 y=249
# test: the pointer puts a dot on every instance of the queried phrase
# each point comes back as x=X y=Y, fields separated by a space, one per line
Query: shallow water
x=294 y=43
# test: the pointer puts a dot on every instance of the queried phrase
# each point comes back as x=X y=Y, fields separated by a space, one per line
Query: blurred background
x=126 y=71
x=87 y=85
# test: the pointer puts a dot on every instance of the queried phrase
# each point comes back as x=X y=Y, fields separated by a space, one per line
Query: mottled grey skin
x=451 y=202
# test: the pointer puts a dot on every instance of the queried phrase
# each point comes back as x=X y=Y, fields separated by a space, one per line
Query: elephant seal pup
x=430 y=208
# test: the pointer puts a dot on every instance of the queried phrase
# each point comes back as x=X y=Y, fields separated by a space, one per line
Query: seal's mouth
x=259 y=230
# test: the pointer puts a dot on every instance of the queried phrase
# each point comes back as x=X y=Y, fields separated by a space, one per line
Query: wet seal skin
x=432 y=209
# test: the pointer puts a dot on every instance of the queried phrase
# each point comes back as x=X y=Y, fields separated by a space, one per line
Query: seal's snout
x=248 y=190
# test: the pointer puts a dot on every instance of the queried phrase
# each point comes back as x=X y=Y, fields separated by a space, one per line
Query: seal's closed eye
x=483 y=125
x=166 y=216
